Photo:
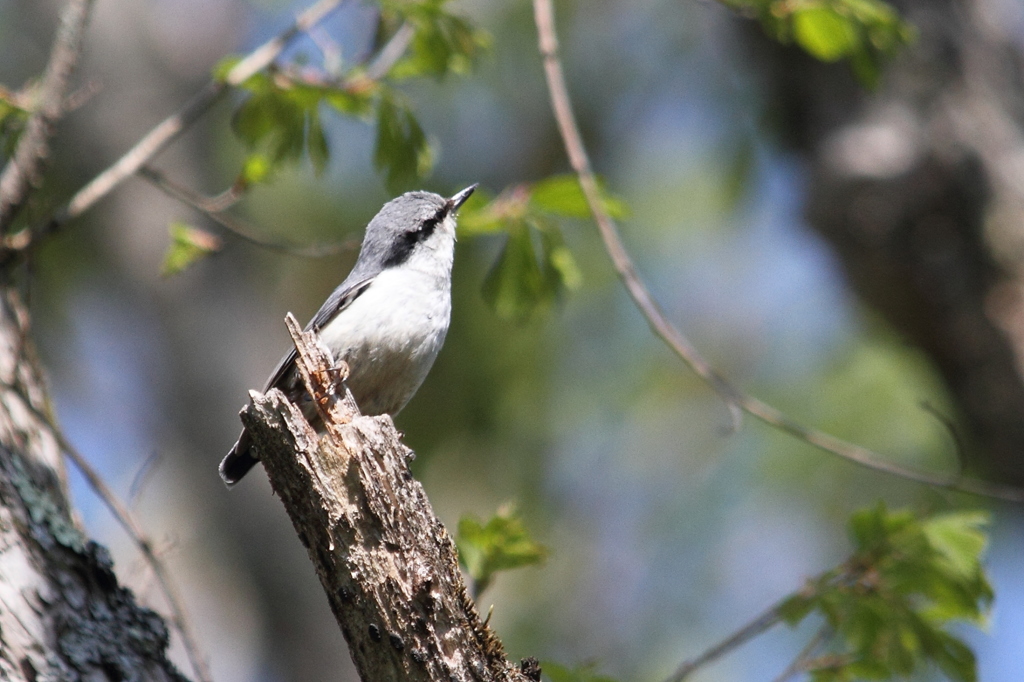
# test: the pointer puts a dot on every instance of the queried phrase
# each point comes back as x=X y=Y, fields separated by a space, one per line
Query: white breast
x=390 y=336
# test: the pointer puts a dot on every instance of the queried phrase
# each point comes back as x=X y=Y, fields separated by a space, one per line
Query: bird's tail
x=238 y=461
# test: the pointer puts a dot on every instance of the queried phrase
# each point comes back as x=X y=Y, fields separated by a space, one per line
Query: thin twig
x=391 y=52
x=124 y=517
x=25 y=167
x=763 y=622
x=799 y=664
x=80 y=97
x=215 y=207
x=959 y=442
x=223 y=201
x=237 y=226
x=376 y=67
x=737 y=400
x=580 y=162
x=175 y=124
x=330 y=50
x=142 y=477
x=145 y=545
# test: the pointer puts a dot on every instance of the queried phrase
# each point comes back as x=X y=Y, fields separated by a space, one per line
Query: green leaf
x=959 y=539
x=867 y=32
x=316 y=144
x=12 y=122
x=443 y=43
x=824 y=33
x=500 y=544
x=562 y=195
x=891 y=604
x=482 y=215
x=560 y=268
x=401 y=150
x=515 y=286
x=274 y=124
x=795 y=608
x=353 y=102
x=256 y=168
x=956 y=660
x=535 y=266
x=188 y=245
x=280 y=123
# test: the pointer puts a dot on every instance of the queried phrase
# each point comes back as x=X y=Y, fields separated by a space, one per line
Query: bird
x=387 y=320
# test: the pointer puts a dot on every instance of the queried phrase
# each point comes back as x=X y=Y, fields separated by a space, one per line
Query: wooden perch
x=386 y=562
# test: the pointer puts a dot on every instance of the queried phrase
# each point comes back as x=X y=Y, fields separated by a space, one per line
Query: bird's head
x=415 y=230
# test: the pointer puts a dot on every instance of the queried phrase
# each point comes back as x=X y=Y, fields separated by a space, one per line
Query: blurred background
x=852 y=257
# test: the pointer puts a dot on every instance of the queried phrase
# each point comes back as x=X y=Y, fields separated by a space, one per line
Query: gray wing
x=340 y=299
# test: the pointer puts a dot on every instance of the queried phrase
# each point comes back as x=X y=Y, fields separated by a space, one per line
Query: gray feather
x=393 y=334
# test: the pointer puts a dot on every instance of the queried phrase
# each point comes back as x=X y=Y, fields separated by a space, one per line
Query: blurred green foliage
x=12 y=120
x=401 y=152
x=280 y=122
x=443 y=42
x=535 y=267
x=188 y=244
x=883 y=394
x=499 y=544
x=866 y=32
x=891 y=604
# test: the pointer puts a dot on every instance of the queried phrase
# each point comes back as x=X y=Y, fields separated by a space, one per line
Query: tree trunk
x=63 y=615
x=919 y=188
x=385 y=561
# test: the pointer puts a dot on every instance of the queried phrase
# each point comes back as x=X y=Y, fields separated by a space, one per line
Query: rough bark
x=386 y=563
x=63 y=615
x=919 y=188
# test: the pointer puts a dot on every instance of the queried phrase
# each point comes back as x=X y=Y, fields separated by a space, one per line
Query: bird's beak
x=460 y=198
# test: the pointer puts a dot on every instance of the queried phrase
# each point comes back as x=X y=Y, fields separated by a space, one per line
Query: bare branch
x=391 y=52
x=24 y=170
x=799 y=664
x=386 y=563
x=215 y=207
x=762 y=623
x=737 y=400
x=562 y=105
x=131 y=526
x=173 y=126
x=236 y=226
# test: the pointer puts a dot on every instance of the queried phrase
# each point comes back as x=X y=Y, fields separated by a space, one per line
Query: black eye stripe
x=405 y=243
x=427 y=229
x=432 y=222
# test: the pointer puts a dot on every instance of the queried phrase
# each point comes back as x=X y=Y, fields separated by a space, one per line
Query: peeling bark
x=63 y=615
x=386 y=563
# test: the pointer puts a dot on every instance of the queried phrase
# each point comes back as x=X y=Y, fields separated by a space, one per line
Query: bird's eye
x=429 y=225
